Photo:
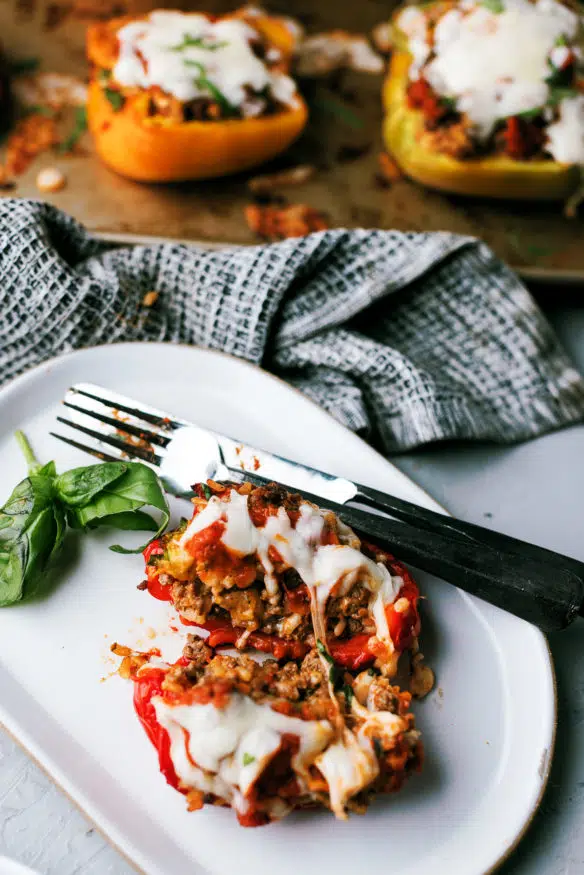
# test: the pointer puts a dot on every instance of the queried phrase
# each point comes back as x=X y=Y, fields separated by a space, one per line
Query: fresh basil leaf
x=79 y=485
x=206 y=491
x=12 y=565
x=115 y=98
x=31 y=532
x=561 y=40
x=248 y=759
x=138 y=487
x=130 y=521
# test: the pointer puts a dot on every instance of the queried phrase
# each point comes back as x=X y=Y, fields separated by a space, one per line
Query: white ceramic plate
x=488 y=726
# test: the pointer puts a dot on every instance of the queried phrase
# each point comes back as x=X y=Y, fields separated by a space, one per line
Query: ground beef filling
x=220 y=587
x=299 y=689
x=448 y=132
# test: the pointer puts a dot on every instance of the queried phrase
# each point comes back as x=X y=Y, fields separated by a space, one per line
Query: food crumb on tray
x=278 y=223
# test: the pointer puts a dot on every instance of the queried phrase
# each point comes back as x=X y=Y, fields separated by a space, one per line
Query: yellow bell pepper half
x=494 y=177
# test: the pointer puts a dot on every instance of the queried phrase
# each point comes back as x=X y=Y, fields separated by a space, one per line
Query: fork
x=536 y=584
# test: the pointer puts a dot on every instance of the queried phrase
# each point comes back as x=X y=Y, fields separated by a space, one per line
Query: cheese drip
x=225 y=750
x=325 y=569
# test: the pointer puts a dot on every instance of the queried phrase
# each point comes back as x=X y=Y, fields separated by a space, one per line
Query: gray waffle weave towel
x=408 y=337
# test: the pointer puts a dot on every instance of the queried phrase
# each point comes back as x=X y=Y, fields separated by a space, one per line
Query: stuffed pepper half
x=177 y=96
x=266 y=739
x=486 y=98
x=263 y=568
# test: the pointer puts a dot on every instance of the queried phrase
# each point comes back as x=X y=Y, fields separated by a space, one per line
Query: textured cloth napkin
x=408 y=338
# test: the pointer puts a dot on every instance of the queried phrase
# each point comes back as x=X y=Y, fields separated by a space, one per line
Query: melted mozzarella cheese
x=224 y=751
x=348 y=766
x=173 y=49
x=493 y=64
x=325 y=569
x=566 y=136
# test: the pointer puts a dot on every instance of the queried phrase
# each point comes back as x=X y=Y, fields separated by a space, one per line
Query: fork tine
x=149 y=437
x=120 y=444
x=164 y=422
x=103 y=457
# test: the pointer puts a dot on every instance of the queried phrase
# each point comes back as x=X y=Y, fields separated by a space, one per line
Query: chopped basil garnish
x=450 y=102
x=36 y=109
x=348 y=692
x=558 y=94
x=79 y=128
x=529 y=114
x=324 y=652
x=23 y=65
x=561 y=40
x=496 y=6
x=197 y=42
x=206 y=491
x=372 y=672
x=115 y=98
x=336 y=676
x=205 y=84
x=248 y=759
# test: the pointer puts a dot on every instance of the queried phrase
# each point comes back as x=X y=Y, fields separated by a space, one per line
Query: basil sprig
x=35 y=518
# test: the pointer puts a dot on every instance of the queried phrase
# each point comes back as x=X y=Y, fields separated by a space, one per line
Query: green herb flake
x=530 y=114
x=494 y=6
x=248 y=759
x=204 y=83
x=557 y=94
x=38 y=109
x=333 y=107
x=371 y=671
x=79 y=128
x=336 y=676
x=348 y=693
x=206 y=491
x=115 y=98
x=197 y=42
x=23 y=65
x=324 y=652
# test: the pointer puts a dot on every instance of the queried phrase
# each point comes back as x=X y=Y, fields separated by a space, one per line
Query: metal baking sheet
x=342 y=140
